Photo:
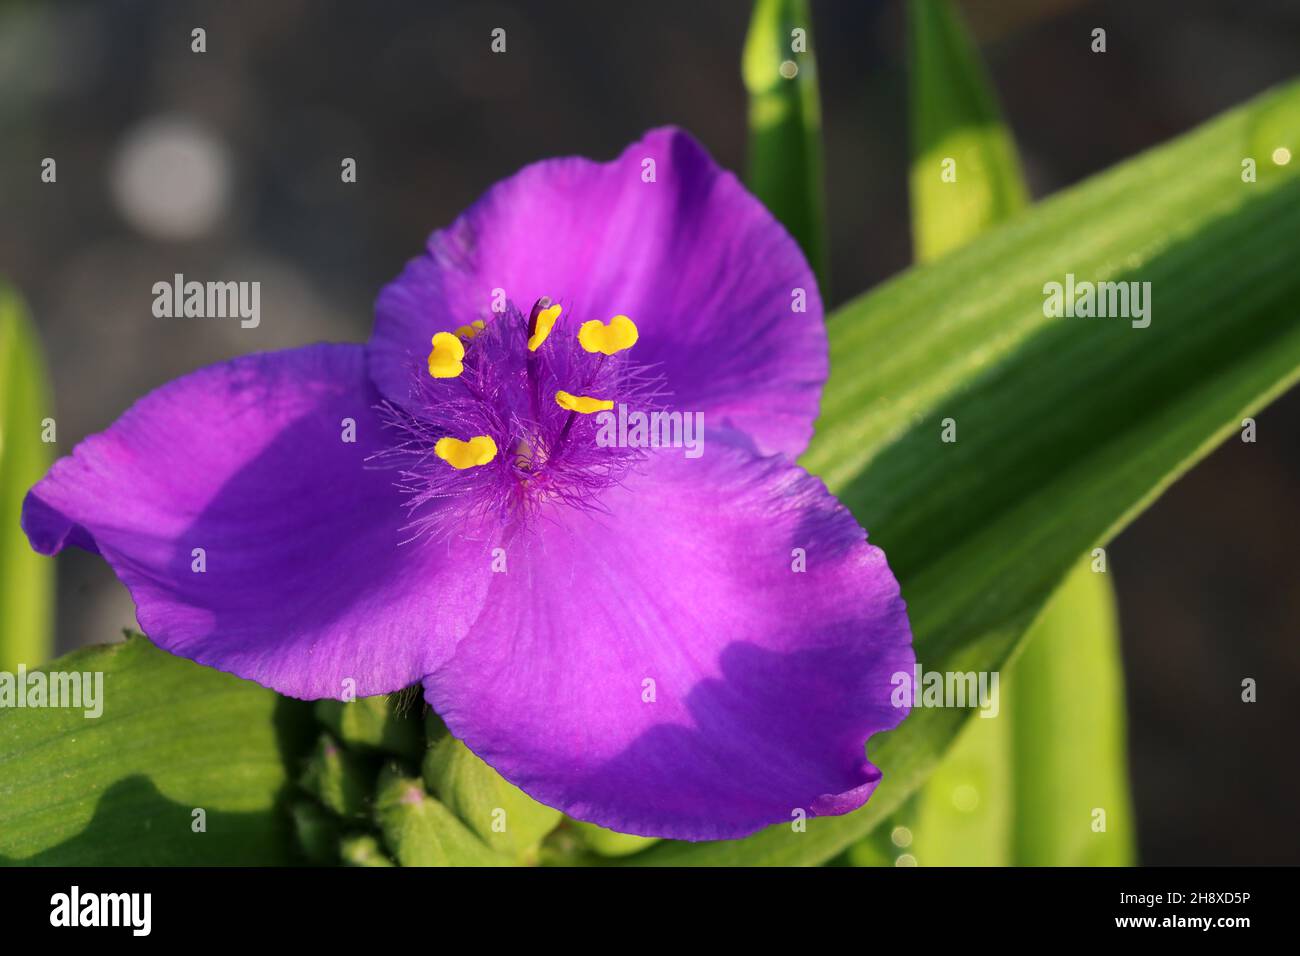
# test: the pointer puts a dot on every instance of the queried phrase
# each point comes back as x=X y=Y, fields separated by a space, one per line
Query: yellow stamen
x=545 y=322
x=479 y=450
x=618 y=335
x=445 y=359
x=469 y=331
x=582 y=404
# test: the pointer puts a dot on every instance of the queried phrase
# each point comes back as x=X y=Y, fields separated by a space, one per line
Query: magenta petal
x=306 y=586
x=710 y=278
x=766 y=682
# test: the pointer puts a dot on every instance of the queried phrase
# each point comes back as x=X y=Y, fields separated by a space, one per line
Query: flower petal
x=304 y=582
x=711 y=280
x=658 y=667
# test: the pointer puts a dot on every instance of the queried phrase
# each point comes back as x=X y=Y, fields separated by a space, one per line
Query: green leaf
x=877 y=848
x=317 y=831
x=502 y=815
x=1065 y=700
x=965 y=813
x=785 y=125
x=420 y=831
x=965 y=175
x=986 y=805
x=26 y=578
x=605 y=842
x=1067 y=427
x=1023 y=787
x=387 y=724
x=123 y=788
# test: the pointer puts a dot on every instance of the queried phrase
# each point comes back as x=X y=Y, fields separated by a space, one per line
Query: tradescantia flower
x=667 y=643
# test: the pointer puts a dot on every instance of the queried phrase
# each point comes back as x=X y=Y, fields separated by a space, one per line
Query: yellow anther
x=618 y=335
x=582 y=404
x=545 y=322
x=445 y=359
x=471 y=330
x=479 y=450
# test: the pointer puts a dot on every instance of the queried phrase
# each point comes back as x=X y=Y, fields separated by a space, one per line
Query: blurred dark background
x=226 y=165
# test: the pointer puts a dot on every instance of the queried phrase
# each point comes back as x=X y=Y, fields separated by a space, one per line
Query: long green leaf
x=124 y=788
x=785 y=135
x=1044 y=782
x=997 y=796
x=965 y=175
x=1067 y=427
x=26 y=579
x=963 y=816
x=1065 y=701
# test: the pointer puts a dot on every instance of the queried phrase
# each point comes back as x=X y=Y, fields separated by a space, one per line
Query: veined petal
x=712 y=281
x=660 y=667
x=255 y=537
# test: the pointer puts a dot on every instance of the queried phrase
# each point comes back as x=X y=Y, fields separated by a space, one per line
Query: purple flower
x=660 y=641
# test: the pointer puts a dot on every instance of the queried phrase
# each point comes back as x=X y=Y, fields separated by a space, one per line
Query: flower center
x=503 y=418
